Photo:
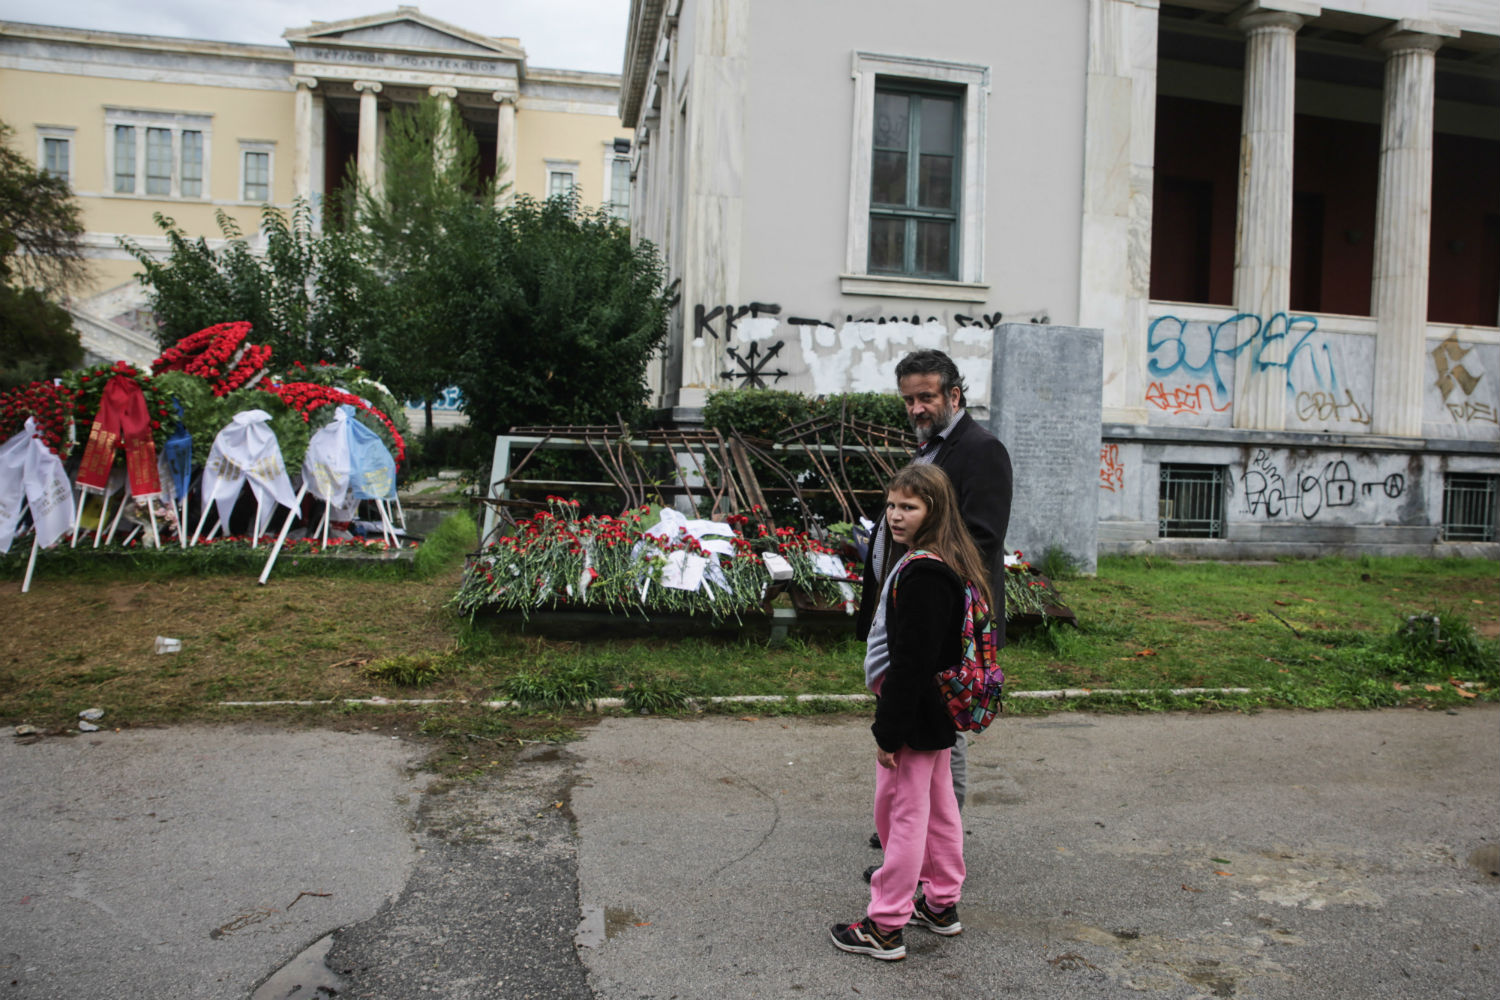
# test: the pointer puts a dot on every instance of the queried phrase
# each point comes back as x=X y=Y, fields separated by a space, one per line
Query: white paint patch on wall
x=861 y=356
x=757 y=328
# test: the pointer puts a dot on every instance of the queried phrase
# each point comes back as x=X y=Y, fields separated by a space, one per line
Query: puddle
x=304 y=977
x=1487 y=860
x=599 y=924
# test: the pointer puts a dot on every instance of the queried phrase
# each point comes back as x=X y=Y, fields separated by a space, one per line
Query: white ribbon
x=246 y=451
x=29 y=470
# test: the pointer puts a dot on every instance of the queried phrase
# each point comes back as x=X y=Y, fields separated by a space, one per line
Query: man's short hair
x=934 y=363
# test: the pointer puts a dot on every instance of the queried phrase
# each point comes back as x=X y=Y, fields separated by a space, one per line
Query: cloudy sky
x=560 y=34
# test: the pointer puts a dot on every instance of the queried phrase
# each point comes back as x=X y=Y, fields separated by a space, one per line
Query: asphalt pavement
x=1274 y=855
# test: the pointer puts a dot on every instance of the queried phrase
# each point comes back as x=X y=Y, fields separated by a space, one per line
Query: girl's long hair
x=943 y=532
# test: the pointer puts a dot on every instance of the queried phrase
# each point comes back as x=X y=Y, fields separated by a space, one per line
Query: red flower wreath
x=88 y=385
x=305 y=397
x=220 y=355
x=53 y=406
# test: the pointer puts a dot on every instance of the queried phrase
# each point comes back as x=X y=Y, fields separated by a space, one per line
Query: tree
x=40 y=257
x=303 y=295
x=430 y=194
x=559 y=314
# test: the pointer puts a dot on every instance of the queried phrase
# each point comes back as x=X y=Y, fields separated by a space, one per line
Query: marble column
x=302 y=161
x=1403 y=226
x=369 y=124
x=443 y=145
x=1119 y=163
x=1263 y=242
x=505 y=148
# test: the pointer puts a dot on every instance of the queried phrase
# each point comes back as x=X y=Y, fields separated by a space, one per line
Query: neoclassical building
x=1284 y=216
x=142 y=124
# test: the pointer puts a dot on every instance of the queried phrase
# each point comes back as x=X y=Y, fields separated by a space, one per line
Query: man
x=978 y=465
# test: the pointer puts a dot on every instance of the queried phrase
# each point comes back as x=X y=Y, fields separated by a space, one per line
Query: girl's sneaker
x=944 y=922
x=864 y=938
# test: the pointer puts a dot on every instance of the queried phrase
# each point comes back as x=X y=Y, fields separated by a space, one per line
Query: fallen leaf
x=1224 y=873
x=644 y=923
x=1310 y=600
x=1146 y=652
x=1280 y=603
x=1477 y=600
x=1459 y=686
x=1189 y=888
x=1402 y=687
x=1221 y=861
x=557 y=805
x=1433 y=687
x=1245 y=617
x=749 y=718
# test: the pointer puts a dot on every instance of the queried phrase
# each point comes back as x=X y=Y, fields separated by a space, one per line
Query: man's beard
x=937 y=423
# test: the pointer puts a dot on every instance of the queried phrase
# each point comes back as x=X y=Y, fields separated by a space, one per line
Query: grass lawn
x=1314 y=633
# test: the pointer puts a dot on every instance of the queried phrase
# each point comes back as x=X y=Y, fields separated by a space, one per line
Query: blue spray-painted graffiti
x=1196 y=348
x=449 y=399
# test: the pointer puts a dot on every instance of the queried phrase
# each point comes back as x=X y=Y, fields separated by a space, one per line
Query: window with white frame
x=54 y=152
x=256 y=164
x=562 y=177
x=617 y=178
x=916 y=203
x=158 y=154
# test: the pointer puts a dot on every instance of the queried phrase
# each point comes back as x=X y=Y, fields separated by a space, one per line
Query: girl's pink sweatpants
x=916 y=815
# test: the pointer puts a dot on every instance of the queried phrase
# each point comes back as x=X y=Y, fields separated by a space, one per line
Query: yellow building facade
x=141 y=125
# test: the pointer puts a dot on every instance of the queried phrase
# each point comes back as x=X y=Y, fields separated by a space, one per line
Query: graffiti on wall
x=752 y=371
x=1267 y=493
x=1197 y=349
x=1184 y=398
x=1458 y=374
x=758 y=350
x=1328 y=407
x=1111 y=471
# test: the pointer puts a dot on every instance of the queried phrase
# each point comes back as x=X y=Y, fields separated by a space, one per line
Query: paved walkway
x=1278 y=855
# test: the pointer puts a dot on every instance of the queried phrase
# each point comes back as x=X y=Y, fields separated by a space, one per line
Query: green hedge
x=765 y=413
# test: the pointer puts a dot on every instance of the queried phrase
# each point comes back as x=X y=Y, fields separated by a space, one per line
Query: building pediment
x=405 y=30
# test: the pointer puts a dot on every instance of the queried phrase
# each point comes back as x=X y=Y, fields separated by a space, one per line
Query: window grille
x=1190 y=503
x=1469 y=507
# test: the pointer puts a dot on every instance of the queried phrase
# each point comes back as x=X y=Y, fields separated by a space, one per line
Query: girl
x=916 y=632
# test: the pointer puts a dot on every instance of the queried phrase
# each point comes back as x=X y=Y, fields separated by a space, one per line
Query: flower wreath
x=305 y=397
x=220 y=355
x=88 y=386
x=53 y=406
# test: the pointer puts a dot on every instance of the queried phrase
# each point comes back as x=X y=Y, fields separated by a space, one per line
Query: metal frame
x=1204 y=516
x=1469 y=507
x=711 y=468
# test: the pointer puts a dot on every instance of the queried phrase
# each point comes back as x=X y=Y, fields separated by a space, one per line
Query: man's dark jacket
x=979 y=467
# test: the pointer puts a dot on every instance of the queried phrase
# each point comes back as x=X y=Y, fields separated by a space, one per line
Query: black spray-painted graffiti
x=752 y=370
x=703 y=318
x=728 y=316
x=1197 y=348
x=1266 y=491
x=752 y=373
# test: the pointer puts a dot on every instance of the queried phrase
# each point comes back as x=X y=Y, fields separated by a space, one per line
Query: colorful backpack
x=973 y=688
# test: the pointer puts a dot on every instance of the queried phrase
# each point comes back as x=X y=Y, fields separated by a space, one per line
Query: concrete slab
x=1281 y=855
